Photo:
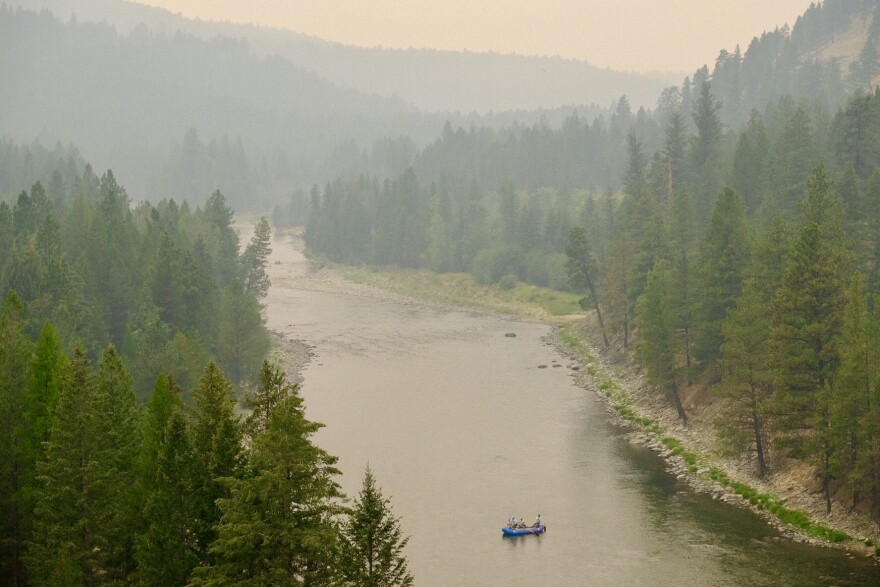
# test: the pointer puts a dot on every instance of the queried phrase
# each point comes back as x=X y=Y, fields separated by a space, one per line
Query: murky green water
x=463 y=430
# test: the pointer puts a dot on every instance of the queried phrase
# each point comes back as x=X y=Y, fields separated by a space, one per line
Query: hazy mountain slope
x=125 y=100
x=432 y=80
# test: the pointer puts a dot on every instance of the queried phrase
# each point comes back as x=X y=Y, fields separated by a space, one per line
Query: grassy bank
x=461 y=289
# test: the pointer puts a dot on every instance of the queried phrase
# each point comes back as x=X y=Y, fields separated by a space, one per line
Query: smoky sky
x=632 y=35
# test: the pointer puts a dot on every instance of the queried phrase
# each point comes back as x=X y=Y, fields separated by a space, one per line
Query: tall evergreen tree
x=117 y=461
x=795 y=156
x=807 y=325
x=682 y=229
x=271 y=391
x=657 y=333
x=581 y=269
x=749 y=159
x=372 y=542
x=277 y=524
x=164 y=402
x=746 y=368
x=255 y=259
x=222 y=240
x=16 y=456
x=41 y=398
x=616 y=289
x=168 y=550
x=635 y=180
x=242 y=340
x=705 y=151
x=68 y=514
x=746 y=379
x=854 y=398
x=674 y=154
x=216 y=442
x=724 y=255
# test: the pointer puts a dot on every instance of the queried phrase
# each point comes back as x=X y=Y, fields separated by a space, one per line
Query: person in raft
x=511 y=523
x=537 y=521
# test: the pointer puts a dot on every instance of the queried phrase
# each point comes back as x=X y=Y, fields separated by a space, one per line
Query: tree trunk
x=596 y=305
x=826 y=478
x=759 y=437
x=687 y=353
x=673 y=392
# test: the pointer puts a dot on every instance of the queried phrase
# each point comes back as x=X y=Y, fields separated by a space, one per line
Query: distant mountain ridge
x=125 y=101
x=431 y=80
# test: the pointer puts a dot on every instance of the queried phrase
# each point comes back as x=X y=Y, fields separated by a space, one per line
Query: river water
x=463 y=429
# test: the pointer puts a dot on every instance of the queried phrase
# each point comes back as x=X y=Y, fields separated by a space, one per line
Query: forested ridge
x=256 y=125
x=742 y=253
x=145 y=438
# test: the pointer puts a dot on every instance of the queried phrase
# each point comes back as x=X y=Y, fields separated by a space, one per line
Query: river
x=464 y=428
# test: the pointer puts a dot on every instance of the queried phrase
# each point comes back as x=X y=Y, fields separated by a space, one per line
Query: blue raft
x=523 y=531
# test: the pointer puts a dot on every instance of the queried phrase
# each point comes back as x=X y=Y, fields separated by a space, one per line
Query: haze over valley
x=333 y=293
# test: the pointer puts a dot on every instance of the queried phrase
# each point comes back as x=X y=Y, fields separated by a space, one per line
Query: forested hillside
x=742 y=253
x=201 y=115
x=151 y=280
x=127 y=336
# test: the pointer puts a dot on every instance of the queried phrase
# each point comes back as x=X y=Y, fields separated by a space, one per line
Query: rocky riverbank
x=692 y=452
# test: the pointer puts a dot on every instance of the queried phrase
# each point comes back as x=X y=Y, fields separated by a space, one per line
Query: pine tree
x=657 y=334
x=164 y=402
x=705 y=151
x=217 y=445
x=746 y=377
x=120 y=438
x=222 y=240
x=634 y=180
x=72 y=488
x=271 y=391
x=46 y=377
x=807 y=325
x=581 y=269
x=16 y=454
x=168 y=550
x=616 y=289
x=255 y=259
x=682 y=236
x=855 y=397
x=372 y=541
x=749 y=159
x=795 y=157
x=674 y=154
x=242 y=340
x=724 y=255
x=872 y=231
x=277 y=524
x=635 y=247
x=746 y=369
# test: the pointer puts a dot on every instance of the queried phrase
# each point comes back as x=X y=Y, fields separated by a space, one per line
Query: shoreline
x=653 y=423
x=630 y=404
